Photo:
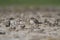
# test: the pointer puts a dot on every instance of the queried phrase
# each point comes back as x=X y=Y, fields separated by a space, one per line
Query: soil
x=30 y=23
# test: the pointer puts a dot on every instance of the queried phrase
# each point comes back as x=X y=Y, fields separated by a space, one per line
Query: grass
x=30 y=2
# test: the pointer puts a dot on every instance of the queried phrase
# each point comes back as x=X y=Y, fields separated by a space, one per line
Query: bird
x=35 y=21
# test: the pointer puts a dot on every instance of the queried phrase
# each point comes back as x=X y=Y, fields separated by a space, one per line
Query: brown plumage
x=36 y=21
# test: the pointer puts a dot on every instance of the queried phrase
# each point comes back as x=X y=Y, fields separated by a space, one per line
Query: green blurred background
x=30 y=2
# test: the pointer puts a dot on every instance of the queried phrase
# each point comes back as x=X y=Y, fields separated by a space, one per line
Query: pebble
x=2 y=32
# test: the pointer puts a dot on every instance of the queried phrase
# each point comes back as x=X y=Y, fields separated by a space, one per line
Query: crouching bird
x=34 y=22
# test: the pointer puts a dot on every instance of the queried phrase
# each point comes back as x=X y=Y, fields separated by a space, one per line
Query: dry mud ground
x=30 y=23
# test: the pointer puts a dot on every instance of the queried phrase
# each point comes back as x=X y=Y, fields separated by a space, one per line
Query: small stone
x=41 y=30
x=13 y=23
x=58 y=14
x=22 y=22
x=11 y=18
x=22 y=26
x=57 y=22
x=46 y=21
x=12 y=28
x=2 y=33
